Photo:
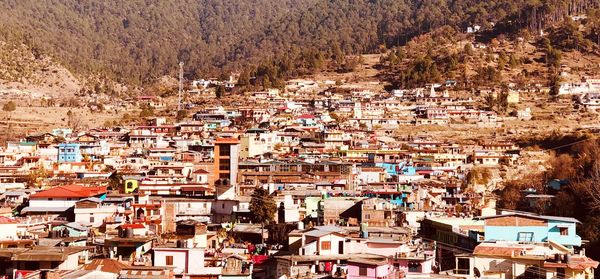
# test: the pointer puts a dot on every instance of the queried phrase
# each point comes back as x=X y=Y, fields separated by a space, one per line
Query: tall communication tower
x=180 y=85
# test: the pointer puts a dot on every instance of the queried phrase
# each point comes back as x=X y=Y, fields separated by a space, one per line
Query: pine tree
x=554 y=86
x=220 y=91
x=244 y=79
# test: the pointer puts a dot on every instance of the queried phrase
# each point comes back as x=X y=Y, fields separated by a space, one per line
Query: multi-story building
x=226 y=157
x=69 y=152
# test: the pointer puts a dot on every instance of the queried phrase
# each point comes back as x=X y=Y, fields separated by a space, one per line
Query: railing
x=141 y=262
x=147 y=219
x=114 y=219
x=33 y=220
x=193 y=211
x=236 y=271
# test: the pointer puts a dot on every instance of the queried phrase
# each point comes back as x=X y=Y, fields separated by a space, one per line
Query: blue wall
x=540 y=233
x=554 y=233
x=392 y=168
x=69 y=152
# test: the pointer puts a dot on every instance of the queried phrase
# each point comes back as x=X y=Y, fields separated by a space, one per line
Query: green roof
x=29 y=143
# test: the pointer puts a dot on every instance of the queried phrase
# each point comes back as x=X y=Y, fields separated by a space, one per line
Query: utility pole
x=180 y=85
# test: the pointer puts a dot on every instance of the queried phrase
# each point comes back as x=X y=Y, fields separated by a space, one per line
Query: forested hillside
x=137 y=41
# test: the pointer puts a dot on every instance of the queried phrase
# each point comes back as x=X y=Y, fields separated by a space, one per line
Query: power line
x=568 y=144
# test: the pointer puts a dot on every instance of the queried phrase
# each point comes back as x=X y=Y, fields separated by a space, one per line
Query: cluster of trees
x=512 y=61
x=593 y=25
x=535 y=15
x=137 y=41
x=577 y=166
x=553 y=57
x=263 y=207
x=497 y=102
x=567 y=36
x=421 y=71
x=9 y=107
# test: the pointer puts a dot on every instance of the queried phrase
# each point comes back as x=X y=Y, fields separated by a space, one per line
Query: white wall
x=334 y=239
x=55 y=202
x=369 y=177
x=510 y=268
x=195 y=257
x=292 y=215
x=309 y=249
x=315 y=247
x=224 y=206
x=72 y=261
x=82 y=215
x=8 y=231
x=191 y=206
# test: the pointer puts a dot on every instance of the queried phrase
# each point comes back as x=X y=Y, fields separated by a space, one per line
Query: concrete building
x=69 y=152
x=256 y=142
x=523 y=227
x=226 y=159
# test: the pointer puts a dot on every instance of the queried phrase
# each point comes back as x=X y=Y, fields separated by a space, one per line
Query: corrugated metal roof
x=533 y=216
x=44 y=209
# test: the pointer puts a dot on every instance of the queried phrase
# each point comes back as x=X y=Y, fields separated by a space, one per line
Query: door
x=341 y=247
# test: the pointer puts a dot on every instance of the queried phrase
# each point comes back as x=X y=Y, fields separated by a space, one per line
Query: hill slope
x=139 y=40
x=22 y=70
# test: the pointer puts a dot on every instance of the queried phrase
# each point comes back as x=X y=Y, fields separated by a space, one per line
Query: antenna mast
x=180 y=85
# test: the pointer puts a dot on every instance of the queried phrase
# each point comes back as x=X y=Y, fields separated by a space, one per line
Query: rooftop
x=70 y=191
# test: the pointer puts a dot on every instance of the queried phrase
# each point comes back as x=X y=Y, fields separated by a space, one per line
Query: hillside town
x=305 y=182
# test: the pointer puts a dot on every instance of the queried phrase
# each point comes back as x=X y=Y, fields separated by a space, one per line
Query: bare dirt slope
x=24 y=71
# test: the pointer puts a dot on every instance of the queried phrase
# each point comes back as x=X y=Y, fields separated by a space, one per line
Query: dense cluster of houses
x=354 y=198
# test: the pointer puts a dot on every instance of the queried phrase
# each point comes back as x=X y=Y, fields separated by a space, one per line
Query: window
x=169 y=260
x=362 y=271
x=224 y=151
x=91 y=219
x=414 y=267
x=564 y=231
x=326 y=245
x=525 y=236
x=535 y=272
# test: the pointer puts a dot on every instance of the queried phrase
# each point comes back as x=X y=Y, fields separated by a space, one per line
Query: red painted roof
x=70 y=191
x=226 y=140
x=133 y=226
x=575 y=263
x=6 y=220
x=306 y=116
x=498 y=250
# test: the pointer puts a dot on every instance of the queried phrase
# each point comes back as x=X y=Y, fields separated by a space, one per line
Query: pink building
x=371 y=269
x=414 y=265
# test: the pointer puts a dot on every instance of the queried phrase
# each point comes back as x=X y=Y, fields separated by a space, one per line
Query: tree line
x=137 y=41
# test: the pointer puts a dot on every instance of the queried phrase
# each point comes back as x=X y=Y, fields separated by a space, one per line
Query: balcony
x=114 y=220
x=194 y=211
x=149 y=220
x=233 y=271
